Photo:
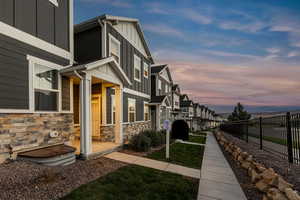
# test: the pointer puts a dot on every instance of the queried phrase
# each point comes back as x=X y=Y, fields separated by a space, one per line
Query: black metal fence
x=277 y=134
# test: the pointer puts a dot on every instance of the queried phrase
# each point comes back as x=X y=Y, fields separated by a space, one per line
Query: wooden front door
x=96 y=116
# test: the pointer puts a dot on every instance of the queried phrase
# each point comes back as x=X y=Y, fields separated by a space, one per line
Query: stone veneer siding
x=131 y=129
x=107 y=133
x=19 y=132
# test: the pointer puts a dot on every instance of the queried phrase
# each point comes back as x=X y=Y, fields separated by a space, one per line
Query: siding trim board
x=136 y=93
x=22 y=36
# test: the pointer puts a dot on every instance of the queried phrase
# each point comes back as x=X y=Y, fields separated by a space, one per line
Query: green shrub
x=154 y=136
x=140 y=142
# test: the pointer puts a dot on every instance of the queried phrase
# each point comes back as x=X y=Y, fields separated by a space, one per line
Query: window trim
x=112 y=38
x=32 y=61
x=135 y=67
x=132 y=100
x=113 y=101
x=146 y=66
x=159 y=84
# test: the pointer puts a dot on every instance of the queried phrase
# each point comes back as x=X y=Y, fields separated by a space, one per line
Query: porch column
x=119 y=114
x=85 y=116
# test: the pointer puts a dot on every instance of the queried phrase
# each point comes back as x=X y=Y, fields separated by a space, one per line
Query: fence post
x=260 y=133
x=247 y=133
x=289 y=138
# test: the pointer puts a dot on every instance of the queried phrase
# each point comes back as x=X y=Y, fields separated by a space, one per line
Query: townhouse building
x=187 y=109
x=175 y=101
x=111 y=82
x=161 y=95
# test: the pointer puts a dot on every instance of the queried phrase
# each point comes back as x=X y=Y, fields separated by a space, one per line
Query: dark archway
x=180 y=130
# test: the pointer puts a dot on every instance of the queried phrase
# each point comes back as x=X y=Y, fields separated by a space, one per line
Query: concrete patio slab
x=177 y=169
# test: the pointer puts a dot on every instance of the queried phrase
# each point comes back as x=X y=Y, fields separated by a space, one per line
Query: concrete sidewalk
x=218 y=181
x=155 y=164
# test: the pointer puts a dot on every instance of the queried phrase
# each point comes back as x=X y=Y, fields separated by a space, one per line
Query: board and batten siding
x=127 y=61
x=39 y=18
x=87 y=45
x=14 y=83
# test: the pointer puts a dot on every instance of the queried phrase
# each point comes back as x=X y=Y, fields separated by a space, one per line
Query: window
x=114 y=48
x=159 y=84
x=146 y=112
x=113 y=109
x=167 y=88
x=46 y=90
x=131 y=110
x=137 y=68
x=146 y=70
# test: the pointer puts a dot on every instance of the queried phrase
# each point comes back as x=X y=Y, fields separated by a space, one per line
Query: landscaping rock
x=281 y=184
x=291 y=194
x=262 y=186
x=275 y=194
x=246 y=164
x=254 y=176
x=268 y=175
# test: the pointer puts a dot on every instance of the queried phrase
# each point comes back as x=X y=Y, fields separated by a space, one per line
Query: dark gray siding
x=163 y=86
x=87 y=45
x=153 y=85
x=127 y=55
x=6 y=14
x=14 y=89
x=65 y=93
x=139 y=106
x=39 y=18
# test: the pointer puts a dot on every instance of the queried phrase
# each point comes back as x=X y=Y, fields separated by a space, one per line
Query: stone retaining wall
x=107 y=133
x=19 y=132
x=266 y=180
x=131 y=129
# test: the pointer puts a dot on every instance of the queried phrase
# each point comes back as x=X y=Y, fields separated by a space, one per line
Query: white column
x=119 y=114
x=85 y=117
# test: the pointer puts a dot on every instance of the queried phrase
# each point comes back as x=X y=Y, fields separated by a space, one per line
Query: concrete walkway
x=218 y=181
x=192 y=143
x=155 y=164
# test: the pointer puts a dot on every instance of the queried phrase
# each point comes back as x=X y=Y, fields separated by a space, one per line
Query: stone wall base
x=131 y=129
x=19 y=132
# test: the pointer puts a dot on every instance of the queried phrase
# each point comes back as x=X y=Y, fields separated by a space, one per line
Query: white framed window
x=114 y=48
x=167 y=88
x=131 y=110
x=137 y=68
x=146 y=112
x=54 y=2
x=46 y=86
x=113 y=109
x=146 y=70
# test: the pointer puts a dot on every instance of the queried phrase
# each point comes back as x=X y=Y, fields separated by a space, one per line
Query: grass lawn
x=181 y=154
x=135 y=182
x=271 y=139
x=197 y=139
x=198 y=133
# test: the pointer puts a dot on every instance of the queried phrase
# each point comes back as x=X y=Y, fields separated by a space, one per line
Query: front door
x=96 y=120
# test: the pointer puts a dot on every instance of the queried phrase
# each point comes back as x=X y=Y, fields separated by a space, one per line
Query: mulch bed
x=291 y=173
x=25 y=180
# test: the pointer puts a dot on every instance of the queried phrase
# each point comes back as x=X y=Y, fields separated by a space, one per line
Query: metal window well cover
x=180 y=130
x=50 y=156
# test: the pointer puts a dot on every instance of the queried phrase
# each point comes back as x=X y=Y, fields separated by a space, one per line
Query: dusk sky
x=220 y=51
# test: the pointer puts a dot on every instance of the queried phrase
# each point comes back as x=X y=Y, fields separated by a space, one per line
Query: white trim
x=132 y=100
x=103 y=35
x=44 y=62
x=54 y=2
x=9 y=111
x=136 y=93
x=113 y=101
x=112 y=38
x=71 y=29
x=17 y=34
x=159 y=84
x=137 y=67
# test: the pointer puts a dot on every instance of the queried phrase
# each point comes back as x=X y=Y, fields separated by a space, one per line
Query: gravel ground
x=24 y=180
x=290 y=173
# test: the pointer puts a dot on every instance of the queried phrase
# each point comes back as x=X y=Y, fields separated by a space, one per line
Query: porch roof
x=95 y=64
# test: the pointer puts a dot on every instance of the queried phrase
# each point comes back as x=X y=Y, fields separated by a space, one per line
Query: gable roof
x=155 y=69
x=97 y=21
x=186 y=103
x=182 y=97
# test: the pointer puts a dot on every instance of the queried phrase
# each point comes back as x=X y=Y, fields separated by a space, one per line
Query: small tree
x=239 y=113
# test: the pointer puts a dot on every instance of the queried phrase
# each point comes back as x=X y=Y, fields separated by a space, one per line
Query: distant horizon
x=223 y=109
